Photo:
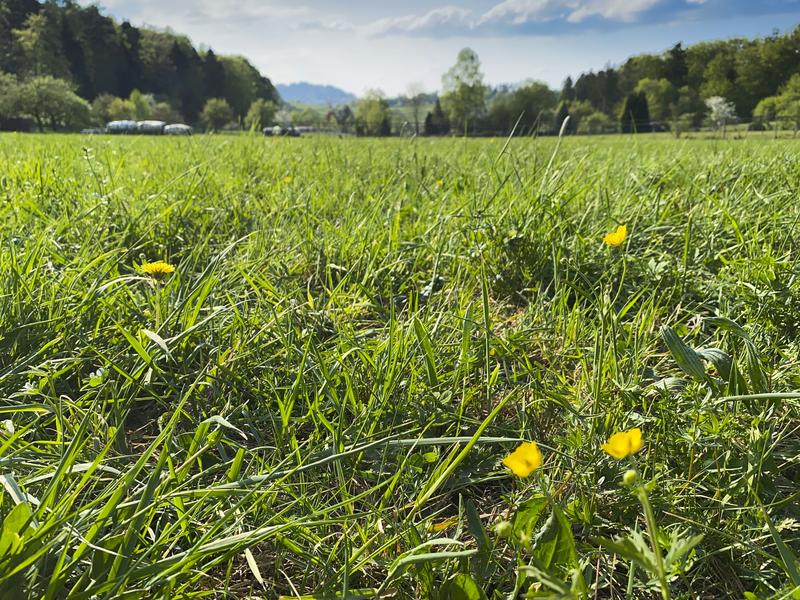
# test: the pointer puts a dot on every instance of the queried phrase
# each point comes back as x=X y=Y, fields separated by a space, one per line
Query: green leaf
x=221 y=422
x=462 y=587
x=790 y=565
x=425 y=342
x=10 y=543
x=159 y=342
x=18 y=519
x=720 y=359
x=528 y=515
x=688 y=360
x=679 y=548
x=554 y=545
x=633 y=548
x=485 y=546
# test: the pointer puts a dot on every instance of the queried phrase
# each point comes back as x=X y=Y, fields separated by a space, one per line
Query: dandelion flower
x=624 y=443
x=524 y=460
x=287 y=180
x=156 y=270
x=616 y=238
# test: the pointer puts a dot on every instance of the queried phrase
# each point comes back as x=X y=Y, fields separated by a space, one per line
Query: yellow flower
x=287 y=180
x=524 y=460
x=624 y=443
x=440 y=183
x=157 y=269
x=616 y=238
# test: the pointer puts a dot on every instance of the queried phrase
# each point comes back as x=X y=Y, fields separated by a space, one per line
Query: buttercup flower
x=616 y=238
x=624 y=443
x=524 y=460
x=156 y=270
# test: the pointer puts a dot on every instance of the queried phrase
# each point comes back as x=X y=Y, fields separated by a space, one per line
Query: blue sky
x=362 y=44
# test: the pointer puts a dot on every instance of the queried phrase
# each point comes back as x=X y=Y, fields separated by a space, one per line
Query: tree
x=579 y=111
x=635 y=114
x=261 y=114
x=436 y=122
x=767 y=110
x=50 y=100
x=784 y=107
x=661 y=96
x=414 y=98
x=567 y=90
x=720 y=111
x=101 y=109
x=719 y=77
x=213 y=75
x=561 y=116
x=142 y=105
x=636 y=68
x=601 y=88
x=10 y=98
x=597 y=122
x=308 y=116
x=344 y=118
x=464 y=95
x=40 y=41
x=372 y=114
x=163 y=111
x=676 y=70
x=216 y=114
x=524 y=105
x=244 y=84
x=121 y=110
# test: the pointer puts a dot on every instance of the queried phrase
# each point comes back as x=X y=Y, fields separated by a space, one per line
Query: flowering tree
x=721 y=111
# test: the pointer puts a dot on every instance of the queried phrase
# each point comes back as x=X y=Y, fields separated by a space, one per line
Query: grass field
x=316 y=403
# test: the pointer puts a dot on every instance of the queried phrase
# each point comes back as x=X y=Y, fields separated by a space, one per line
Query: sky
x=371 y=44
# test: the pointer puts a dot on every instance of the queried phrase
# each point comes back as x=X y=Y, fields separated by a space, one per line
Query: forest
x=84 y=66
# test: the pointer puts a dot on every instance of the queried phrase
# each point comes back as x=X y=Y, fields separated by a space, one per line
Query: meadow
x=317 y=402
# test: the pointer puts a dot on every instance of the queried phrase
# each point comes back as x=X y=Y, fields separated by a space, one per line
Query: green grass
x=317 y=402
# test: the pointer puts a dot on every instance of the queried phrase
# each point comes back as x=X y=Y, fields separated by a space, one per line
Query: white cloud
x=508 y=16
x=437 y=20
x=520 y=12
x=524 y=12
x=626 y=11
x=334 y=26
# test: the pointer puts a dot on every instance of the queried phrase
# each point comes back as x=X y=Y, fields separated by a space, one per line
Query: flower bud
x=504 y=529
x=630 y=478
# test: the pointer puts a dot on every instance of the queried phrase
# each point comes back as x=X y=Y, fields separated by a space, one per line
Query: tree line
x=64 y=65
x=709 y=83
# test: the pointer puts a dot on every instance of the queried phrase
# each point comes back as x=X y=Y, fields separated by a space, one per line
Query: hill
x=309 y=93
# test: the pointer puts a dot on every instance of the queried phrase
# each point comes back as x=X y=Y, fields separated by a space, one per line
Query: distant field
x=317 y=402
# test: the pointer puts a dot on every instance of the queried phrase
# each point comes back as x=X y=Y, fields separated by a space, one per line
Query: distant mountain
x=310 y=93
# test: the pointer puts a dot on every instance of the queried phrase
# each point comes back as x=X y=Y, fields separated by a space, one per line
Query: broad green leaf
x=688 y=360
x=18 y=519
x=554 y=545
x=528 y=514
x=720 y=359
x=10 y=543
x=462 y=587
